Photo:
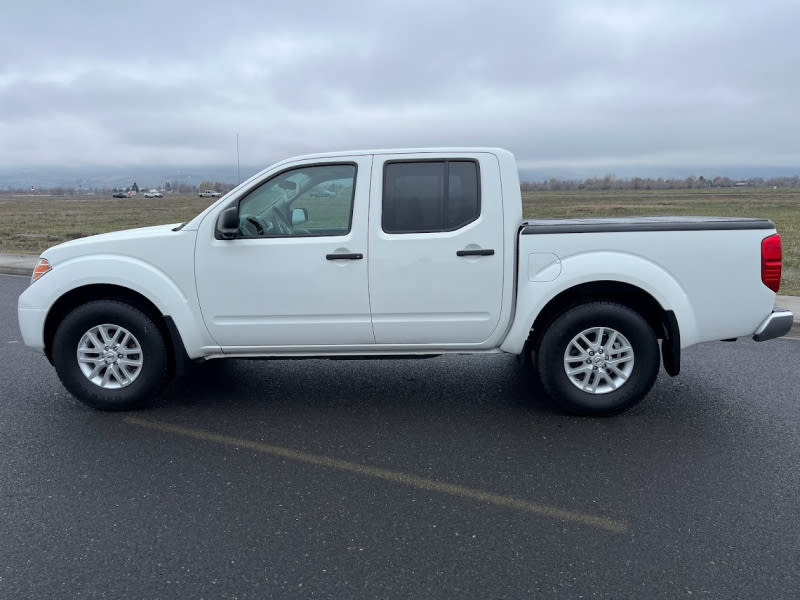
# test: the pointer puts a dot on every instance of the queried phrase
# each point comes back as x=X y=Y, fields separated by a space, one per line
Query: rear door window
x=430 y=196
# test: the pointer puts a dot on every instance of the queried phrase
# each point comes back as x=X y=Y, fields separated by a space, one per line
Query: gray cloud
x=568 y=83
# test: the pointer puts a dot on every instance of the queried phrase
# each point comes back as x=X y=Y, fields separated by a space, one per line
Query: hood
x=115 y=242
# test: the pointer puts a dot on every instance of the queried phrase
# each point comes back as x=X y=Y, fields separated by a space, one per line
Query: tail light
x=771 y=262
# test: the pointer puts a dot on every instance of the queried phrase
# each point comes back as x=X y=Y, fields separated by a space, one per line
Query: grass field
x=781 y=206
x=29 y=224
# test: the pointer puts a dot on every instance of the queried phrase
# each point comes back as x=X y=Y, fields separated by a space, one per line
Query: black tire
x=131 y=380
x=612 y=366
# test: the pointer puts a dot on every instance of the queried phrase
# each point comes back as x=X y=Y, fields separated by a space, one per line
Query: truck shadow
x=446 y=382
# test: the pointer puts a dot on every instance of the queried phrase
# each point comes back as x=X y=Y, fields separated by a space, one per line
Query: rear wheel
x=598 y=358
x=110 y=355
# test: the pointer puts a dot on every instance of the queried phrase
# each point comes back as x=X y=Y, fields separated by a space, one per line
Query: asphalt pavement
x=444 y=478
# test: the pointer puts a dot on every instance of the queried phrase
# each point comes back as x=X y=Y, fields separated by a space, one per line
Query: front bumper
x=778 y=324
x=31 y=325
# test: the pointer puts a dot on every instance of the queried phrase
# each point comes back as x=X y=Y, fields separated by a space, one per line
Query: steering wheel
x=261 y=226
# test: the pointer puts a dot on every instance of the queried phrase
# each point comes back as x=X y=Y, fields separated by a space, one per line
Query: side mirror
x=299 y=216
x=227 y=223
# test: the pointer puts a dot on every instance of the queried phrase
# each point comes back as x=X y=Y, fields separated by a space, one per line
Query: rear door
x=436 y=248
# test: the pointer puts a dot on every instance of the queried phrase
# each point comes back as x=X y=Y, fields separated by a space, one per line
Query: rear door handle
x=343 y=256
x=481 y=252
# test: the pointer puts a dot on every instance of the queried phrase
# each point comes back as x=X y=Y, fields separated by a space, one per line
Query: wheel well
x=88 y=293
x=662 y=321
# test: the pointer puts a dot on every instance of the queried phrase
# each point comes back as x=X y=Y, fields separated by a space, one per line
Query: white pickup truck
x=406 y=253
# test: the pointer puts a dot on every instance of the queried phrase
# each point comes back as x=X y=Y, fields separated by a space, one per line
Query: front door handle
x=344 y=256
x=481 y=252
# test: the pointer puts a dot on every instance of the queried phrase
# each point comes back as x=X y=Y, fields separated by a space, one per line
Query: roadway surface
x=442 y=478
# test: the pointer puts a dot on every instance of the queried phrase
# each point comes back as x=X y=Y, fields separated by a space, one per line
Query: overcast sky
x=592 y=86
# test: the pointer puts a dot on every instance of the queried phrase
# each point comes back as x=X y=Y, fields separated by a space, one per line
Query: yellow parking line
x=543 y=510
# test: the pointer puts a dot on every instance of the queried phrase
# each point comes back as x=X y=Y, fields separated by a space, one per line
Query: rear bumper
x=778 y=324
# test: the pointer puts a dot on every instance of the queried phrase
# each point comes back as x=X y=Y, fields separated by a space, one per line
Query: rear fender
x=581 y=269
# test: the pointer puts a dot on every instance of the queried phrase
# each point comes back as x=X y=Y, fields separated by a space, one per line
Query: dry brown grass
x=782 y=206
x=32 y=223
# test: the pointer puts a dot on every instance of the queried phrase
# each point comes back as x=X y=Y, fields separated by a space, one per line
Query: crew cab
x=400 y=253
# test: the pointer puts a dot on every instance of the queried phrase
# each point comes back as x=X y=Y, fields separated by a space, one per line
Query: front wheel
x=110 y=355
x=598 y=358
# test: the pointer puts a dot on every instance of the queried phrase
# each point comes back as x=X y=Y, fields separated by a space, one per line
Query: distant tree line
x=611 y=182
x=169 y=187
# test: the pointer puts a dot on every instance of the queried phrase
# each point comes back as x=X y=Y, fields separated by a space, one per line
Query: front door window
x=308 y=201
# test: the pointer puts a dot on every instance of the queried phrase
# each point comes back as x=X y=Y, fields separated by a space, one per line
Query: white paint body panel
x=711 y=280
x=410 y=294
x=155 y=262
x=421 y=292
x=281 y=291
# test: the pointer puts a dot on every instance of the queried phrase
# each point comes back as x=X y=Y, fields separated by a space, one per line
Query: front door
x=295 y=274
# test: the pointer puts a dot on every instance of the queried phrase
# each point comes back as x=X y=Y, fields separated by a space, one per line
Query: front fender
x=535 y=292
x=179 y=301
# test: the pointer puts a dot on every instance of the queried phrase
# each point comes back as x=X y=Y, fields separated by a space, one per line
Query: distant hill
x=654 y=172
x=89 y=178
